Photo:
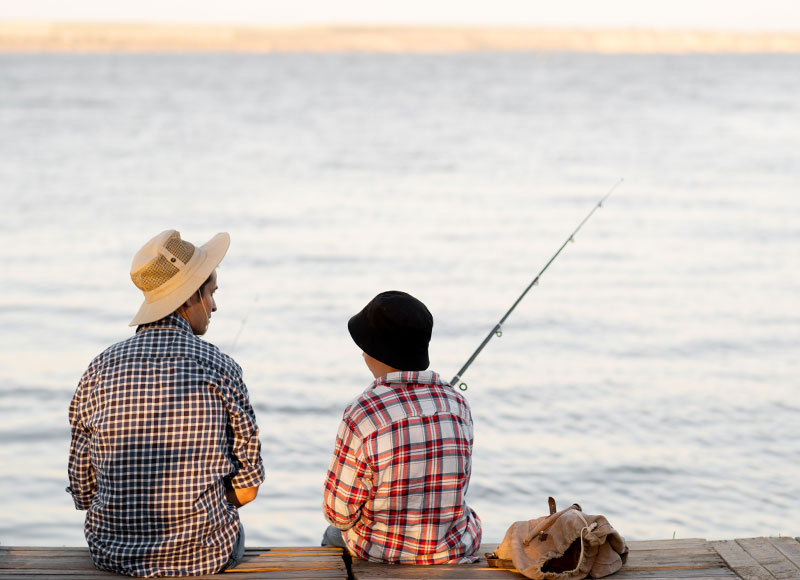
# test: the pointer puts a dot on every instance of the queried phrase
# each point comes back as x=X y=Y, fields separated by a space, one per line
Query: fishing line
x=242 y=325
x=498 y=328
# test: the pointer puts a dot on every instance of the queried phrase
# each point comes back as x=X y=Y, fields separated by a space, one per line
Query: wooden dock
x=693 y=559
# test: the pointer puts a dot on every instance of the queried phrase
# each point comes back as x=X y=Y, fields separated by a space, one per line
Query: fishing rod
x=497 y=330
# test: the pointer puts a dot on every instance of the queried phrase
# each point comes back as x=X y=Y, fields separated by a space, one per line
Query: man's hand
x=240 y=497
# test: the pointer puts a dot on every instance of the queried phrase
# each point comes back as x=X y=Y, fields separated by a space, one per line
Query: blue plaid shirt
x=160 y=422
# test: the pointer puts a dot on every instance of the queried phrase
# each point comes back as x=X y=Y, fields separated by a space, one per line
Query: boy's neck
x=377 y=368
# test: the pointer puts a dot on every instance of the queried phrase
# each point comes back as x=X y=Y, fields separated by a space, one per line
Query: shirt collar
x=175 y=321
x=407 y=377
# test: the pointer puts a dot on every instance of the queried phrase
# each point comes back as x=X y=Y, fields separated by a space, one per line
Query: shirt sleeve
x=349 y=480
x=245 y=443
x=82 y=478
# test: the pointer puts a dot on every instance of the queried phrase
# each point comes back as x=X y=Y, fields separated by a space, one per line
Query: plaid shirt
x=400 y=470
x=159 y=422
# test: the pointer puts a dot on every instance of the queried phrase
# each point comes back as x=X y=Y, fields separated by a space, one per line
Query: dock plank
x=677 y=544
x=685 y=559
x=769 y=557
x=23 y=563
x=740 y=561
x=789 y=547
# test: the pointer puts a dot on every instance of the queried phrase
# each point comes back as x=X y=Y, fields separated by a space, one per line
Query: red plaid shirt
x=400 y=471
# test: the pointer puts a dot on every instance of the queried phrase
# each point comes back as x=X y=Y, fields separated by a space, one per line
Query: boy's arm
x=348 y=482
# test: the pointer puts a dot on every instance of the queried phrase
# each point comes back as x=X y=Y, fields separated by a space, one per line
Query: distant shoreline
x=19 y=37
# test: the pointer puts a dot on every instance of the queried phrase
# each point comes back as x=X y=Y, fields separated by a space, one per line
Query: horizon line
x=125 y=36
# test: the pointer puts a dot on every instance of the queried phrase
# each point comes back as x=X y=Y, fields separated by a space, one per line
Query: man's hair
x=204 y=284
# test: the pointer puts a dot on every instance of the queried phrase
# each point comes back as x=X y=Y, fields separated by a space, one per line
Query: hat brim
x=205 y=259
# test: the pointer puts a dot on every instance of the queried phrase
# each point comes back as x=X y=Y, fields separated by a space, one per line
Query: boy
x=395 y=488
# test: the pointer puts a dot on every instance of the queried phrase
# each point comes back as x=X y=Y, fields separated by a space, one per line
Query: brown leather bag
x=566 y=545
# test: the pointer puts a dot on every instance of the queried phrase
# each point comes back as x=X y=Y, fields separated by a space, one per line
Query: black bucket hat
x=394 y=328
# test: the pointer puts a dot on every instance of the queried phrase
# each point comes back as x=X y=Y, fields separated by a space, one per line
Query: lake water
x=652 y=376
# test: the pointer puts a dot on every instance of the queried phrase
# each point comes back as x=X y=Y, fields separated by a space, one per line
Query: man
x=165 y=444
x=401 y=465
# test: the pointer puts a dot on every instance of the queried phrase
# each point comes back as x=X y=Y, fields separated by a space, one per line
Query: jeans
x=333 y=537
x=238 y=550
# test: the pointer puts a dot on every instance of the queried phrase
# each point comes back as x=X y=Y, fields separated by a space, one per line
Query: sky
x=756 y=15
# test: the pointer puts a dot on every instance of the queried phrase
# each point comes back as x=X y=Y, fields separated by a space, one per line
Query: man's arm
x=242 y=496
x=242 y=486
x=82 y=478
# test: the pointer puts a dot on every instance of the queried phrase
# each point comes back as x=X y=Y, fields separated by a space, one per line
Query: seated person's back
x=401 y=466
x=164 y=439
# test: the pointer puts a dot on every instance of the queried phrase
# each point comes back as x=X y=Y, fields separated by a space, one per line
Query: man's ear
x=193 y=299
x=189 y=302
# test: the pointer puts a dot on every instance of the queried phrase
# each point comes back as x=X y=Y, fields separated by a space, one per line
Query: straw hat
x=169 y=270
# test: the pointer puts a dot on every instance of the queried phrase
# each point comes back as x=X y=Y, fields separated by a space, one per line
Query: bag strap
x=587 y=528
x=540 y=531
